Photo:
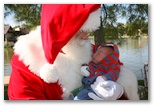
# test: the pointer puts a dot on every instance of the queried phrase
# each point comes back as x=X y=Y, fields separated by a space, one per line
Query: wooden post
x=146 y=76
x=142 y=74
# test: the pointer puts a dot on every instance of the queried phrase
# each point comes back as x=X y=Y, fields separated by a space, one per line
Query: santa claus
x=46 y=63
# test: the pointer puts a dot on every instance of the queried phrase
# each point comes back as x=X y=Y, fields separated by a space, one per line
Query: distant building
x=24 y=31
x=10 y=34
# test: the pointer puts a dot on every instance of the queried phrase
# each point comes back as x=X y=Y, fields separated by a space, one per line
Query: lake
x=133 y=53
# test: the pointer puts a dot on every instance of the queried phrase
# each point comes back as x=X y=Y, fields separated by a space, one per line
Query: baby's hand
x=85 y=71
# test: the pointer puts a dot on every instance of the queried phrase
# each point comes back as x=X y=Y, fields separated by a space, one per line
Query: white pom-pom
x=49 y=73
x=93 y=22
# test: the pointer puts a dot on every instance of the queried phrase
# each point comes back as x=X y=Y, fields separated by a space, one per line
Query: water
x=133 y=53
x=8 y=52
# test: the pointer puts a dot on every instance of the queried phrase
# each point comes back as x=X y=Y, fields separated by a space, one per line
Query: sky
x=10 y=20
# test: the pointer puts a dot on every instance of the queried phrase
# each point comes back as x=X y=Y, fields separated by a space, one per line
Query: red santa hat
x=60 y=22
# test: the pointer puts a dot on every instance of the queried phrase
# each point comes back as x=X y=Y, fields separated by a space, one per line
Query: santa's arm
x=25 y=85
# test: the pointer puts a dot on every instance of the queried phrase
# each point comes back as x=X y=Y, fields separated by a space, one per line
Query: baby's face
x=102 y=52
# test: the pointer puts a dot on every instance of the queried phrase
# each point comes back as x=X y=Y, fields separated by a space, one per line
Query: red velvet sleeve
x=24 y=85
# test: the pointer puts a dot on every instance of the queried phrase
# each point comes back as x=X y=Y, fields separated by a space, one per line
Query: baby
x=104 y=66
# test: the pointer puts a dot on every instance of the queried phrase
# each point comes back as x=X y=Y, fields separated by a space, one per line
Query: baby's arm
x=113 y=73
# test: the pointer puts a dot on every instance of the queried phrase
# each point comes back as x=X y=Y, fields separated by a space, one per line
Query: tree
x=121 y=29
x=132 y=28
x=29 y=17
x=137 y=12
x=131 y=12
x=26 y=14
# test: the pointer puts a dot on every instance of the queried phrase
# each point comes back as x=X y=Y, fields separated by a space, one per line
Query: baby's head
x=102 y=52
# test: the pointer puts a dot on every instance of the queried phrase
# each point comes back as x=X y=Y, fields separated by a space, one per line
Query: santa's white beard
x=77 y=52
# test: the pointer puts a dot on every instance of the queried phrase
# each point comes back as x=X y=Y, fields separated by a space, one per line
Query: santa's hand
x=99 y=79
x=85 y=71
x=113 y=87
x=101 y=91
x=94 y=97
x=49 y=73
x=108 y=90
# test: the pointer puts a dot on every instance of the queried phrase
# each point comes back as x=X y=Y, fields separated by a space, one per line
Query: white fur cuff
x=49 y=73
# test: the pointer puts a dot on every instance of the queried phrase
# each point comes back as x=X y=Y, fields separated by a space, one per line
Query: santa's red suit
x=32 y=62
x=25 y=85
x=40 y=71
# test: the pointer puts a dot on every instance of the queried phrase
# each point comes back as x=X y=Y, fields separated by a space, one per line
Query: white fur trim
x=93 y=21
x=48 y=73
x=30 y=51
x=129 y=81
